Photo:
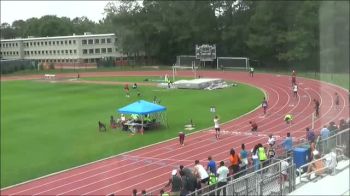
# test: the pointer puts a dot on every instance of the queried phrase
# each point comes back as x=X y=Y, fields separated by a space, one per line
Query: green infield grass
x=48 y=127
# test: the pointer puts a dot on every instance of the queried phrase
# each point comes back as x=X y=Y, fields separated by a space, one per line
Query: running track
x=149 y=168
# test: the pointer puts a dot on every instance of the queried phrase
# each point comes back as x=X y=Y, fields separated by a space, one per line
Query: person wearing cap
x=176 y=183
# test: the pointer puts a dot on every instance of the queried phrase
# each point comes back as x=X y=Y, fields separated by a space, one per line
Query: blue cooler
x=301 y=156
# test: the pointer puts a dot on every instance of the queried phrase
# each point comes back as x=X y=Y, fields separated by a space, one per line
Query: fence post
x=280 y=177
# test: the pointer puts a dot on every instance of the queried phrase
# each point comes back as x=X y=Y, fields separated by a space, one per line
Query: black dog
x=101 y=126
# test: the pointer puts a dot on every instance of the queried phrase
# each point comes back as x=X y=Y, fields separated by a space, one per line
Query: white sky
x=16 y=10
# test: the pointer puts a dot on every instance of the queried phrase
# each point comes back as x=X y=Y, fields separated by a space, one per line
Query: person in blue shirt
x=310 y=135
x=211 y=165
x=244 y=158
x=288 y=144
x=324 y=132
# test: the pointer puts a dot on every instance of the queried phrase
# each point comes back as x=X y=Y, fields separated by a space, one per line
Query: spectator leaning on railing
x=288 y=144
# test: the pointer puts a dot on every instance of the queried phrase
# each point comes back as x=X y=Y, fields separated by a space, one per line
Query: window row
x=58 y=60
x=48 y=52
x=5 y=45
x=96 y=41
x=97 y=51
x=49 y=43
x=9 y=53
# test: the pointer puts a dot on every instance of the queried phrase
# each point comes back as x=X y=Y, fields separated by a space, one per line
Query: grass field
x=48 y=127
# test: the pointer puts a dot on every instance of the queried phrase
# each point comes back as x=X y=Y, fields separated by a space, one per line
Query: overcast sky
x=16 y=10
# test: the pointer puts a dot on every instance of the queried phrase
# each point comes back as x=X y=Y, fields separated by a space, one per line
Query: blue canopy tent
x=142 y=108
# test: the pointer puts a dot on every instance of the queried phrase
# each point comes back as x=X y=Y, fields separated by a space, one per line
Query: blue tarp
x=141 y=107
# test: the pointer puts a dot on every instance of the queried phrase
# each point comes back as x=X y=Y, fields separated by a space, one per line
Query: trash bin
x=301 y=156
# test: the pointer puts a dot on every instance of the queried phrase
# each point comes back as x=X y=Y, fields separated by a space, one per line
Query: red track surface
x=149 y=168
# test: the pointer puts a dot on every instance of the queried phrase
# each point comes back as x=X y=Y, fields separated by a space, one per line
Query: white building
x=87 y=48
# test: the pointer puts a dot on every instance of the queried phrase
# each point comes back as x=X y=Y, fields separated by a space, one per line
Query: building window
x=39 y=52
x=65 y=42
x=70 y=52
x=108 y=40
x=97 y=41
x=74 y=42
x=51 y=51
x=35 y=52
x=54 y=51
x=31 y=52
x=53 y=43
x=97 y=51
x=84 y=51
x=91 y=51
x=66 y=51
x=70 y=42
x=91 y=41
x=42 y=43
x=46 y=52
x=62 y=51
x=61 y=42
x=109 y=50
x=57 y=42
x=75 y=51
x=83 y=41
x=103 y=50
x=34 y=43
x=16 y=44
x=103 y=41
x=49 y=43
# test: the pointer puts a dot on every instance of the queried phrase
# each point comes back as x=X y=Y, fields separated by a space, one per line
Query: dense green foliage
x=48 y=127
x=310 y=35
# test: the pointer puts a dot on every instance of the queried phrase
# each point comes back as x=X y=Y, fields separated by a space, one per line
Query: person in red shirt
x=182 y=138
x=294 y=78
x=254 y=125
x=126 y=89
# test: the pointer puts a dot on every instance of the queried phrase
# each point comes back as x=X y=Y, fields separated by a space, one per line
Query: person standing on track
x=251 y=71
x=317 y=108
x=337 y=101
x=126 y=89
x=217 y=127
x=182 y=138
x=294 y=77
x=264 y=105
x=295 y=90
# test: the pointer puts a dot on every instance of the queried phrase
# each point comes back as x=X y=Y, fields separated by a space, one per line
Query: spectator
x=101 y=126
x=310 y=135
x=143 y=193
x=185 y=189
x=332 y=127
x=288 y=144
x=235 y=161
x=317 y=166
x=342 y=125
x=271 y=141
x=253 y=125
x=284 y=171
x=244 y=159
x=134 y=192
x=324 y=132
x=190 y=178
x=262 y=155
x=211 y=167
x=222 y=173
x=163 y=193
x=201 y=174
x=175 y=182
x=255 y=158
x=134 y=86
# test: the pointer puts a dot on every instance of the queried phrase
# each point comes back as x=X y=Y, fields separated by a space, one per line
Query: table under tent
x=149 y=115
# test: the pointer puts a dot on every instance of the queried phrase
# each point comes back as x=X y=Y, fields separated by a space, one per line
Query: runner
x=126 y=89
x=217 y=127
x=337 y=101
x=254 y=126
x=182 y=138
x=264 y=105
x=288 y=119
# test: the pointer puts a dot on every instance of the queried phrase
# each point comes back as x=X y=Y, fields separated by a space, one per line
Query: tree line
x=276 y=33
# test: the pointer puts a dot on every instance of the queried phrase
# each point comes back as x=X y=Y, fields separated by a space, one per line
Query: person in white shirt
x=217 y=127
x=200 y=173
x=222 y=173
x=271 y=141
x=295 y=90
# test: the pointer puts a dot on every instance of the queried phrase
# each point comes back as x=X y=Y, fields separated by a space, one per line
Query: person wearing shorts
x=295 y=90
x=294 y=78
x=337 y=101
x=217 y=127
x=251 y=71
x=317 y=108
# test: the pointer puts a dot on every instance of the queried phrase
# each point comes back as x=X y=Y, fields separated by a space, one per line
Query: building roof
x=58 y=37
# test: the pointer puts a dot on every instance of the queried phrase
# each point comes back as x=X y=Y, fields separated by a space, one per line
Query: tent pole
x=141 y=125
